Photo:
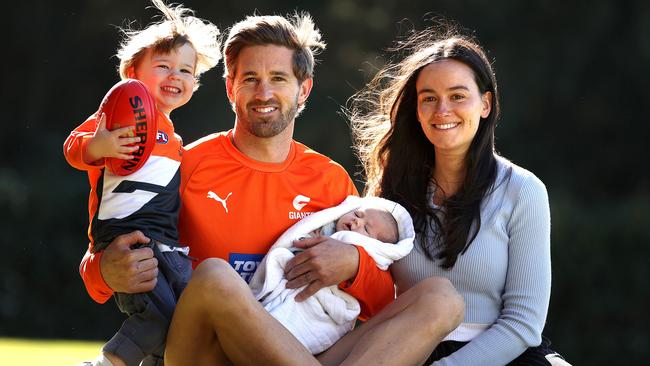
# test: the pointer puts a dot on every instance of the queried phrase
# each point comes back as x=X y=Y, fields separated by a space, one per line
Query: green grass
x=32 y=352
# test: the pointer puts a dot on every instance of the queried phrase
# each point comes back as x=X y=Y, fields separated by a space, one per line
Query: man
x=257 y=176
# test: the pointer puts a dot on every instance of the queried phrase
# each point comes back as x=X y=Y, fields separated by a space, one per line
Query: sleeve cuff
x=91 y=275
x=351 y=285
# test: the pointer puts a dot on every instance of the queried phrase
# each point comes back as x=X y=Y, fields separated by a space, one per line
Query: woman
x=424 y=131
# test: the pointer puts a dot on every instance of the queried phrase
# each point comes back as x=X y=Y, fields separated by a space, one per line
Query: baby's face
x=370 y=222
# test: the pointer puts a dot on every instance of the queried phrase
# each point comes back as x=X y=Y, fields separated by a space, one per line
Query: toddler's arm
x=90 y=142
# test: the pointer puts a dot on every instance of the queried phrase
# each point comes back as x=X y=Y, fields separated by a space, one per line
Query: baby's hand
x=110 y=144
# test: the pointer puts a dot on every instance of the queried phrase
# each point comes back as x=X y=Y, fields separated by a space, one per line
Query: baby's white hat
x=403 y=218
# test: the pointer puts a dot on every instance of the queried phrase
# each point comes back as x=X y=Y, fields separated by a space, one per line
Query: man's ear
x=229 y=92
x=305 y=89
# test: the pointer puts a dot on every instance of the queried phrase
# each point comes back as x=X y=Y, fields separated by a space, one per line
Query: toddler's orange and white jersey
x=146 y=200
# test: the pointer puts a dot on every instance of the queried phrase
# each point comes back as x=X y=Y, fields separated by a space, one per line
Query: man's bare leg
x=218 y=321
x=406 y=331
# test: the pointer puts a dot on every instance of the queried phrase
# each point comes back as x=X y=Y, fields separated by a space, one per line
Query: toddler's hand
x=110 y=144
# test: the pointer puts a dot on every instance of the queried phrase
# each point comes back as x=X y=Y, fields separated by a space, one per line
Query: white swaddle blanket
x=325 y=317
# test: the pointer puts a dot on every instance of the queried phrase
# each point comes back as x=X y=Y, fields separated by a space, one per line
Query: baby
x=383 y=228
x=376 y=223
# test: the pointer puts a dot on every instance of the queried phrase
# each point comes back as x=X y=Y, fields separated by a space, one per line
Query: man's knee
x=214 y=276
x=216 y=283
x=211 y=267
x=445 y=305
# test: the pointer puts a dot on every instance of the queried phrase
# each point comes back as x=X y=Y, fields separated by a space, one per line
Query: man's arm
x=372 y=287
x=120 y=268
x=90 y=272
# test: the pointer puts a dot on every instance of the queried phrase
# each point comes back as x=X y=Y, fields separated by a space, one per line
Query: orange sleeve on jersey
x=373 y=288
x=92 y=277
x=74 y=148
x=187 y=166
x=75 y=145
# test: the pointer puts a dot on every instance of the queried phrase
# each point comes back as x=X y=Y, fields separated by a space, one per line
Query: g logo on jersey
x=300 y=201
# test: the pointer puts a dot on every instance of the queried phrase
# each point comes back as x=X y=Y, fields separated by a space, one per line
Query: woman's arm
x=527 y=288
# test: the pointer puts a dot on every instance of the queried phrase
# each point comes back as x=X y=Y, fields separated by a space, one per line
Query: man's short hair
x=297 y=33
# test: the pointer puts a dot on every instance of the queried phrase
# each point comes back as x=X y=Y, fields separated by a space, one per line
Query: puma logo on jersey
x=300 y=201
x=219 y=199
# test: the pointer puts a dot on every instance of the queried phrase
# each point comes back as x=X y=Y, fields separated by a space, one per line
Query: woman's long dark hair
x=398 y=158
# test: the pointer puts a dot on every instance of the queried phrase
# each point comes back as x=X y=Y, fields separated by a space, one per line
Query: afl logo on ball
x=162 y=138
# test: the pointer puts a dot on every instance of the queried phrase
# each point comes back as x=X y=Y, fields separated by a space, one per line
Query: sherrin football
x=128 y=103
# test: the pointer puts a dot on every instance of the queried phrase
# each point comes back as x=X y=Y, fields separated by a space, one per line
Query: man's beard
x=267 y=126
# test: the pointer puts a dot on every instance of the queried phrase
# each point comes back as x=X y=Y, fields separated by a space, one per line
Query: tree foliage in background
x=573 y=77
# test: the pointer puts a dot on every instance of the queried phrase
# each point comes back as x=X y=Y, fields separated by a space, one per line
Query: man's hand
x=324 y=262
x=129 y=270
